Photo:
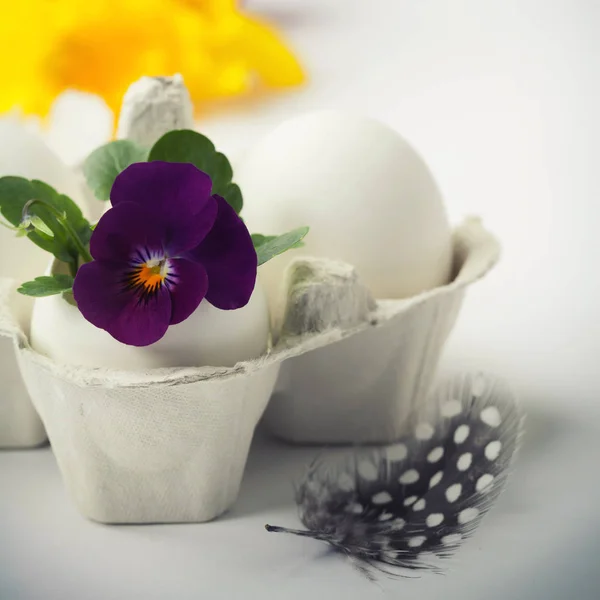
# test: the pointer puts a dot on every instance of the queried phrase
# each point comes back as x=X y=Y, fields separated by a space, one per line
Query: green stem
x=73 y=269
x=62 y=219
x=83 y=251
x=8 y=225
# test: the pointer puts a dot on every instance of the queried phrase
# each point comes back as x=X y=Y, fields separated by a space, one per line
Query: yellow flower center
x=150 y=275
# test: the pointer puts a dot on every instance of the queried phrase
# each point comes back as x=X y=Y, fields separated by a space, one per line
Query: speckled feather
x=404 y=504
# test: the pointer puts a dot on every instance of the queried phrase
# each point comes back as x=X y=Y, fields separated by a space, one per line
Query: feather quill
x=399 y=505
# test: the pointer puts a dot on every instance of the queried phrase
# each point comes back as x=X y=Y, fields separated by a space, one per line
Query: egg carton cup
x=363 y=388
x=20 y=425
x=157 y=446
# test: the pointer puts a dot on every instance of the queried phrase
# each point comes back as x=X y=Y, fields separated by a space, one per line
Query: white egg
x=368 y=197
x=209 y=337
x=24 y=154
x=78 y=123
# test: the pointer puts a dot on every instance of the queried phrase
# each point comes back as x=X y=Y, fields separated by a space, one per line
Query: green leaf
x=40 y=226
x=104 y=164
x=271 y=246
x=31 y=224
x=233 y=195
x=187 y=146
x=71 y=211
x=222 y=173
x=47 y=286
x=16 y=192
x=258 y=239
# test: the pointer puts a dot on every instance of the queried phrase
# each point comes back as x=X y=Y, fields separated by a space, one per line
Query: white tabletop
x=501 y=97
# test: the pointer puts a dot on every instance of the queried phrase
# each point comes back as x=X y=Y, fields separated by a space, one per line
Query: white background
x=502 y=99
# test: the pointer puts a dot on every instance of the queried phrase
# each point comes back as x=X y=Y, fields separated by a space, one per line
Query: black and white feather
x=400 y=505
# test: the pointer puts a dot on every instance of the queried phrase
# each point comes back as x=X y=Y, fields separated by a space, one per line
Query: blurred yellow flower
x=101 y=46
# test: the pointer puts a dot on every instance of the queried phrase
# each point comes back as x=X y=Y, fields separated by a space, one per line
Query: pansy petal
x=187 y=282
x=126 y=231
x=189 y=233
x=177 y=192
x=229 y=258
x=104 y=300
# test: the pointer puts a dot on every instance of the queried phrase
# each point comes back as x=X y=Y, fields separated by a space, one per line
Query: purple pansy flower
x=164 y=246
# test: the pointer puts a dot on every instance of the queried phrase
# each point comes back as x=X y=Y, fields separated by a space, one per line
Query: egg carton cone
x=363 y=388
x=152 y=106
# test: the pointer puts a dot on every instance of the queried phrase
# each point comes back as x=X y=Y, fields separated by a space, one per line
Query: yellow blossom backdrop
x=101 y=46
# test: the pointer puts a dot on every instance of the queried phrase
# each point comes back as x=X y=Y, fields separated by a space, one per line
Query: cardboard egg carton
x=170 y=445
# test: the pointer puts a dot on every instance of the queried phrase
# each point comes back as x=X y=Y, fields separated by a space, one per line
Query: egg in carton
x=166 y=105
x=370 y=201
x=145 y=445
x=23 y=153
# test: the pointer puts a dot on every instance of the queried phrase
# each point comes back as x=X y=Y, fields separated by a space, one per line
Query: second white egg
x=367 y=196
